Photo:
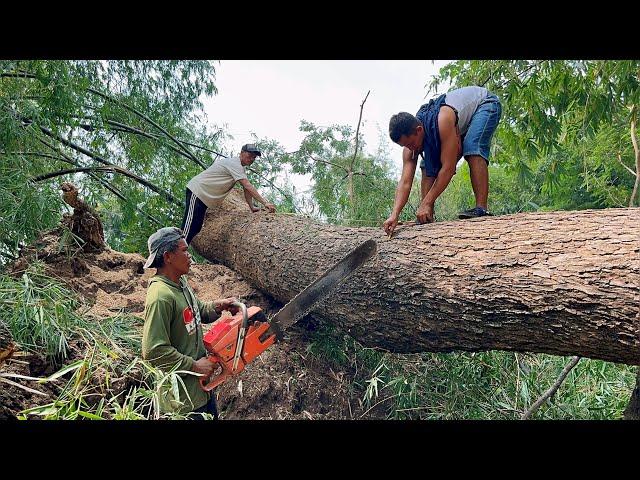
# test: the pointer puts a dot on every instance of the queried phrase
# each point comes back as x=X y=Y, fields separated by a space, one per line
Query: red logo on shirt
x=189 y=324
x=187 y=315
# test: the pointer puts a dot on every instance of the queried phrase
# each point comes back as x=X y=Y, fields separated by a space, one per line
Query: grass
x=483 y=386
x=40 y=313
x=91 y=388
x=86 y=394
x=110 y=381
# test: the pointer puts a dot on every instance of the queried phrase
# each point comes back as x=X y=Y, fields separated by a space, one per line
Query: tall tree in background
x=564 y=121
x=349 y=186
x=132 y=129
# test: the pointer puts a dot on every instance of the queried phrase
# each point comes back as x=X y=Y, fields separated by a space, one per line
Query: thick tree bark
x=565 y=283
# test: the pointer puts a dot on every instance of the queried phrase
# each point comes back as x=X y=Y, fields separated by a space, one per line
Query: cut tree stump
x=85 y=221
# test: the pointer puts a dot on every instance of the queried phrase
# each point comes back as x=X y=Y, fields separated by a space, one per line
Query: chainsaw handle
x=241 y=333
x=207 y=385
x=245 y=315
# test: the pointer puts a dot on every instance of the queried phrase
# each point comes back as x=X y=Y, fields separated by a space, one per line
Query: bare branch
x=145 y=117
x=358 y=130
x=355 y=153
x=568 y=367
x=113 y=169
x=625 y=166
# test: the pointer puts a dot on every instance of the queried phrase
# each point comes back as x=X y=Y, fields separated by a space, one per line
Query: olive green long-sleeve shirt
x=172 y=337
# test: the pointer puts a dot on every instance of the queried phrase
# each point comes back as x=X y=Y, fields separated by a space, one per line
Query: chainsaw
x=233 y=342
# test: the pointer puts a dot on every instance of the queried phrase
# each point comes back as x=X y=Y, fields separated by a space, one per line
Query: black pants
x=193 y=216
x=210 y=407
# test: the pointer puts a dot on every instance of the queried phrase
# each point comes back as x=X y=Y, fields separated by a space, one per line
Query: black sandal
x=474 y=213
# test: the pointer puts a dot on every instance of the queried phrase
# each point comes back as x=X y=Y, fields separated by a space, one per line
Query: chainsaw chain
x=305 y=312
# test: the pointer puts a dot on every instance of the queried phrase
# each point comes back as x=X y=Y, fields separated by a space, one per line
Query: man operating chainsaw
x=172 y=334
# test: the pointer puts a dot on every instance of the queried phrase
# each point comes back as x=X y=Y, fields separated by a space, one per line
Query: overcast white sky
x=271 y=97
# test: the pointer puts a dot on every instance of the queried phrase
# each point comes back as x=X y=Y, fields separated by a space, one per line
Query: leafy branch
x=112 y=169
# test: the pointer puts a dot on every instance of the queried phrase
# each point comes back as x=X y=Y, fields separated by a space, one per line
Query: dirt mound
x=113 y=282
x=284 y=382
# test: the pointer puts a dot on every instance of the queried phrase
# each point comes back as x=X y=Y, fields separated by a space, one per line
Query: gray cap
x=160 y=238
x=251 y=147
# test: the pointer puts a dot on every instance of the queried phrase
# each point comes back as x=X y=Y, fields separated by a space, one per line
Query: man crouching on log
x=172 y=334
x=463 y=128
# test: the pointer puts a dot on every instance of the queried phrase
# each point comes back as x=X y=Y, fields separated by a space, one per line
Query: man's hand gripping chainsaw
x=233 y=342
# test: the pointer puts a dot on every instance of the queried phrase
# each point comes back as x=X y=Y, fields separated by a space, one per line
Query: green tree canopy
x=563 y=121
x=143 y=117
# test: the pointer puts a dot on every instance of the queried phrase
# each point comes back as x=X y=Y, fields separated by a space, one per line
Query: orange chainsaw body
x=221 y=342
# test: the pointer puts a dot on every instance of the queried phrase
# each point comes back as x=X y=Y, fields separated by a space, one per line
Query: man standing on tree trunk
x=211 y=186
x=464 y=127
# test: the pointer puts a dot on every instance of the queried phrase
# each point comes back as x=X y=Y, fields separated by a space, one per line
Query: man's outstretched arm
x=449 y=154
x=409 y=163
x=246 y=185
x=249 y=200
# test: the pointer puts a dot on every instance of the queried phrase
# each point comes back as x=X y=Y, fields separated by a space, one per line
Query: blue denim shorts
x=477 y=140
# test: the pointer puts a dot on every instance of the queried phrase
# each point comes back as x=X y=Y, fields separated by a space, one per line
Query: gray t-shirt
x=466 y=101
x=214 y=183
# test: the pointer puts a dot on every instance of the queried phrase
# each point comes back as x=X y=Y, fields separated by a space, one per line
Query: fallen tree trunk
x=564 y=283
